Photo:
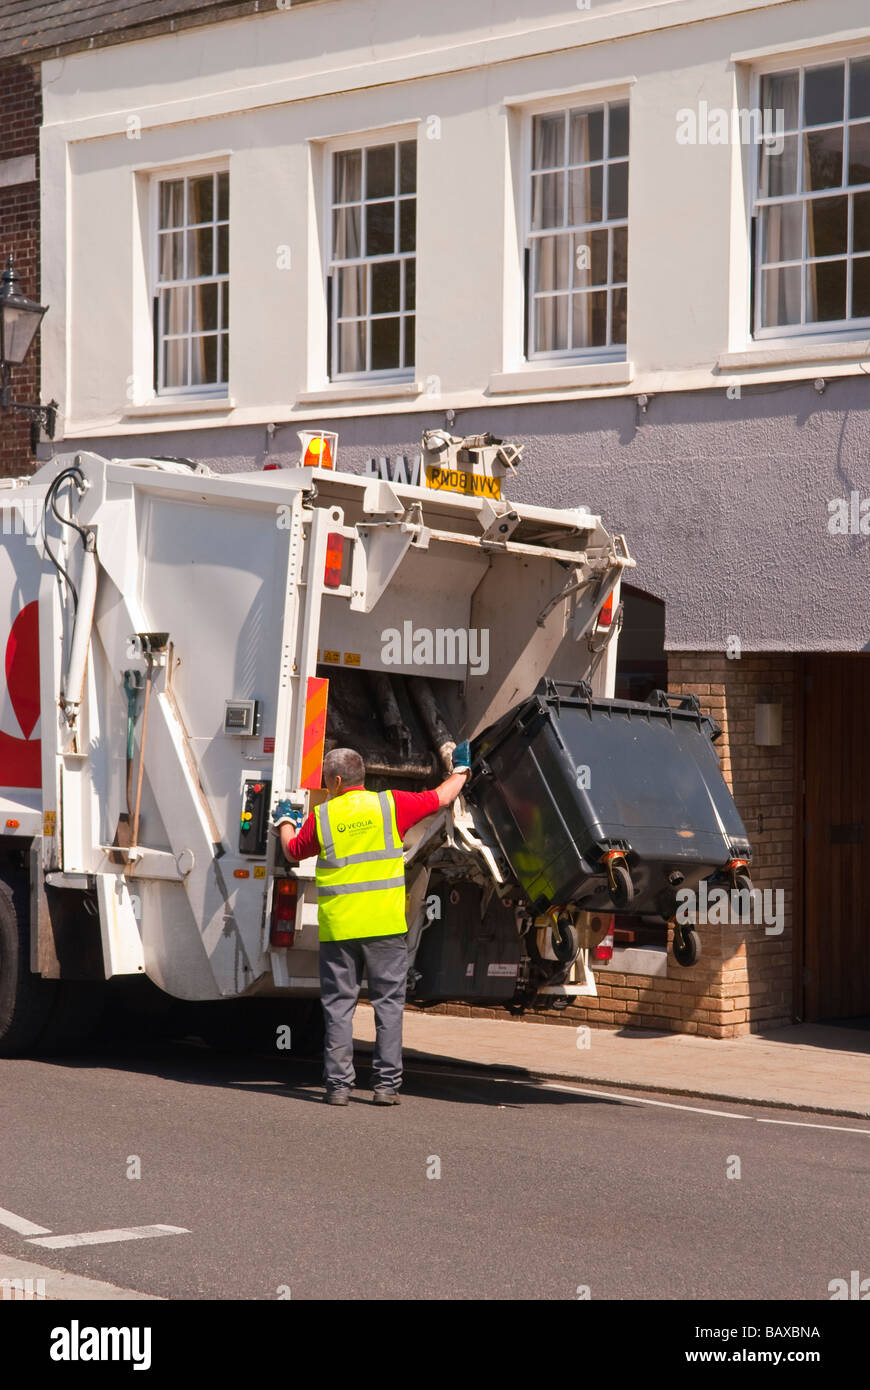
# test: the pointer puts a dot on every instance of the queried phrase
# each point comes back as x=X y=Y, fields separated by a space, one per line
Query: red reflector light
x=604 y=950
x=334 y=559
x=284 y=912
x=12 y=824
x=267 y=467
x=605 y=617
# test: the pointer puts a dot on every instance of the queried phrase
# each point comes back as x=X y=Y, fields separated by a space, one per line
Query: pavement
x=810 y=1067
x=22 y=1281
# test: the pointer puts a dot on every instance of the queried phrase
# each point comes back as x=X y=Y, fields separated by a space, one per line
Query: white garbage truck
x=182 y=645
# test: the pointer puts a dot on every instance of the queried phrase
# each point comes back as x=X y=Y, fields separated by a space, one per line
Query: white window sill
x=357 y=391
x=561 y=378
x=794 y=351
x=180 y=405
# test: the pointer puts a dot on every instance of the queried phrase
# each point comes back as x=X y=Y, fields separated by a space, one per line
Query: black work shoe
x=385 y=1097
x=338 y=1095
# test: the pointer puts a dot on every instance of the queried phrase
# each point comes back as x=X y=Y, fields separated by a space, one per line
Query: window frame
x=579 y=100
x=156 y=176
x=361 y=140
x=820 y=330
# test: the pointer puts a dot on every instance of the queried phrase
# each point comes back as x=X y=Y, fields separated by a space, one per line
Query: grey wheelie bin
x=608 y=804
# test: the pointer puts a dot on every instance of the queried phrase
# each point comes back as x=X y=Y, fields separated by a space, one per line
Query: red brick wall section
x=743 y=981
x=20 y=118
x=752 y=989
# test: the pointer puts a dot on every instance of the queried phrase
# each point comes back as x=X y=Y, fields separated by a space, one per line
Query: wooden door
x=836 y=836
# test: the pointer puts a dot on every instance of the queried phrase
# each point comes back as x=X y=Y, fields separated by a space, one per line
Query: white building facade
x=633 y=236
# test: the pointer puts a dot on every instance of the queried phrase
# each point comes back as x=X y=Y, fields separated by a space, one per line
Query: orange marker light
x=318 y=454
x=241 y=873
x=318 y=448
x=12 y=824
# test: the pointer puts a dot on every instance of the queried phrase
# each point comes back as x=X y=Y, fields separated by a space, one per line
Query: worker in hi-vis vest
x=360 y=878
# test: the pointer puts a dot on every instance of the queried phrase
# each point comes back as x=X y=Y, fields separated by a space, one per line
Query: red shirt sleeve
x=306 y=843
x=412 y=807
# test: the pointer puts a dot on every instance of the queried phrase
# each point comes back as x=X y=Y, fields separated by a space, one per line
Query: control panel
x=242 y=718
x=254 y=826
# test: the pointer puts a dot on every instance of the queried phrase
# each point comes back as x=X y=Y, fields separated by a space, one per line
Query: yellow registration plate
x=458 y=480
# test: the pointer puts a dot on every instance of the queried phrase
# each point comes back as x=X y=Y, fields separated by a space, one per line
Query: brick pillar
x=747 y=983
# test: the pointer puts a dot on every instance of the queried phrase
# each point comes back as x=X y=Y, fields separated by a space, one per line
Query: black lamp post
x=19 y=322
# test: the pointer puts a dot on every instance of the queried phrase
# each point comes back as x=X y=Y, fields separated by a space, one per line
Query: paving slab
x=801 y=1067
x=22 y=1280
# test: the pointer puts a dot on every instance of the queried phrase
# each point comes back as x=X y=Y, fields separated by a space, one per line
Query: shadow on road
x=189 y=1062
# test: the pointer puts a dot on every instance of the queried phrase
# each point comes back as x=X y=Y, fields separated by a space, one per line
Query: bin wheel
x=566 y=942
x=687 y=946
x=622 y=888
x=741 y=883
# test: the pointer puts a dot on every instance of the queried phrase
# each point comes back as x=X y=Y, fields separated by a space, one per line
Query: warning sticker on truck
x=501 y=969
x=458 y=480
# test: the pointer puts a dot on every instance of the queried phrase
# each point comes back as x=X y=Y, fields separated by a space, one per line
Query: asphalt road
x=543 y=1188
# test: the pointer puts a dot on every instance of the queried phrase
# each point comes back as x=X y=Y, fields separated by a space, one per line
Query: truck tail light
x=334 y=560
x=604 y=950
x=284 y=912
x=605 y=616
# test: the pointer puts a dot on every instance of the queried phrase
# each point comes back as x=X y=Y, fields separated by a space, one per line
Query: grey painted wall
x=724 y=503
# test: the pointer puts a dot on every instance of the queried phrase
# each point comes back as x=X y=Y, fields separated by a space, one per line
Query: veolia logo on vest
x=354 y=827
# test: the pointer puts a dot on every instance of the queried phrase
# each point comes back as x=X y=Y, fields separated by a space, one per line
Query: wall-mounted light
x=19 y=323
x=768 y=723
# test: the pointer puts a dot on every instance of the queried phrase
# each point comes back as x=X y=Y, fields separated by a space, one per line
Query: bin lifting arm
x=74 y=678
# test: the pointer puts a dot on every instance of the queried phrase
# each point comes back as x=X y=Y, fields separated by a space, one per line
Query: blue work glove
x=462 y=757
x=286 y=813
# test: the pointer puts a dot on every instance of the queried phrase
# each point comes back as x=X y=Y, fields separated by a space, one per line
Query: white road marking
x=637 y=1100
x=806 y=1124
x=630 y=1099
x=581 y=1091
x=21 y=1225
x=108 y=1237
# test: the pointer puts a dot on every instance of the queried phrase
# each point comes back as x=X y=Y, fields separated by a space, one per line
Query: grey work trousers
x=385 y=960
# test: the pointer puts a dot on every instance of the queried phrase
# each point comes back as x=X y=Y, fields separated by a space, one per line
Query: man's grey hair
x=347 y=764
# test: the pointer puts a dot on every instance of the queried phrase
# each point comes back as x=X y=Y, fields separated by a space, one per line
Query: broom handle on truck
x=149 y=678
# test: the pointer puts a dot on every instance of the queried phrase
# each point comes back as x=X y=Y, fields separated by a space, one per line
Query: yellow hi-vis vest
x=360 y=874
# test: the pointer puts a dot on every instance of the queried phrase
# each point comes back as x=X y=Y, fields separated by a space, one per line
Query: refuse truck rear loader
x=181 y=647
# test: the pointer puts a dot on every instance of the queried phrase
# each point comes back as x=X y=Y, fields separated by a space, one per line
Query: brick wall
x=743 y=980
x=20 y=117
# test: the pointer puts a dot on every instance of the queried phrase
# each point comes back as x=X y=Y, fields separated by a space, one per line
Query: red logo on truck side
x=21 y=758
